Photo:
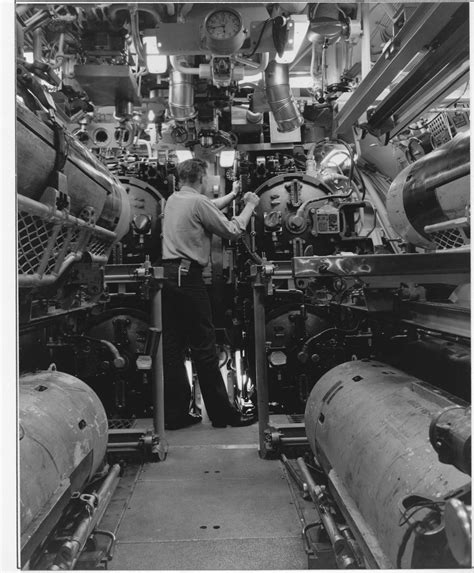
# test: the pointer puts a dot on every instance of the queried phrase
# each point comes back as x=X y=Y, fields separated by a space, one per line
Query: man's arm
x=222 y=202
x=216 y=222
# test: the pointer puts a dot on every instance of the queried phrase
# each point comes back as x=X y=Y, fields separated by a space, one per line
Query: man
x=190 y=219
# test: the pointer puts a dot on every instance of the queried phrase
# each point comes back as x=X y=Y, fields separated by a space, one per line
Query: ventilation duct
x=181 y=96
x=280 y=99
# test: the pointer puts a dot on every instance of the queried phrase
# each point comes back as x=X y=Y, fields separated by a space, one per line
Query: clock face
x=223 y=24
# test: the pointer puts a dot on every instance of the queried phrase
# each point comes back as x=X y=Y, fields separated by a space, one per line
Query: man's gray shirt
x=189 y=221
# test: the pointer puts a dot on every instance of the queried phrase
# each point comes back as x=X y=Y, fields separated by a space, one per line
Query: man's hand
x=251 y=198
x=236 y=189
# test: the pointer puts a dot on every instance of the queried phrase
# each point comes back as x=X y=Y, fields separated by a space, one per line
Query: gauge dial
x=223 y=24
x=223 y=31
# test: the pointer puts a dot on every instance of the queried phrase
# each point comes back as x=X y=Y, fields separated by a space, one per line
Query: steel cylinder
x=434 y=189
x=368 y=425
x=63 y=439
x=89 y=184
x=181 y=96
x=280 y=99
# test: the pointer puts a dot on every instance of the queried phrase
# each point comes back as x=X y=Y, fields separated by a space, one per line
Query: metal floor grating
x=213 y=504
x=121 y=424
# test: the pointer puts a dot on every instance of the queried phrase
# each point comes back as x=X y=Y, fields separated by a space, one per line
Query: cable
x=259 y=39
x=404 y=543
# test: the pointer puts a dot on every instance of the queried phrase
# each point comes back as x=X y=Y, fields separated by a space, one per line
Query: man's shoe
x=186 y=421
x=236 y=422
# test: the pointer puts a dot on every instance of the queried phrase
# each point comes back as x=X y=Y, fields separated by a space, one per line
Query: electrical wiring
x=428 y=504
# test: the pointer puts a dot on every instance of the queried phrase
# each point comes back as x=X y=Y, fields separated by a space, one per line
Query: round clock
x=223 y=31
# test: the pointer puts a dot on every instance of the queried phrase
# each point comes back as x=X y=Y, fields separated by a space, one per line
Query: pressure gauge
x=223 y=31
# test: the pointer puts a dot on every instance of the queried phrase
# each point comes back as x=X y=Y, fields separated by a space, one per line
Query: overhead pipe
x=203 y=71
x=253 y=68
x=280 y=99
x=178 y=66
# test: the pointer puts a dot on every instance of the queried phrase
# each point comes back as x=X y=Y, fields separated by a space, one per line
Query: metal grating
x=121 y=424
x=98 y=247
x=449 y=239
x=440 y=129
x=44 y=242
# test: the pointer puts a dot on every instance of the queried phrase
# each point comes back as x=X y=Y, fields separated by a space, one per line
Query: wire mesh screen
x=33 y=236
x=43 y=244
x=449 y=239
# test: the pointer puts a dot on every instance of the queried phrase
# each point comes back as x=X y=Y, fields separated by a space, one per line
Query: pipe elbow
x=280 y=99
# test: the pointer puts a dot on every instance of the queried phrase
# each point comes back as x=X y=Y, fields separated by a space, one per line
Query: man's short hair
x=192 y=171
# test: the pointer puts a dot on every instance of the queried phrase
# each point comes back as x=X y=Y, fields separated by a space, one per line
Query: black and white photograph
x=241 y=291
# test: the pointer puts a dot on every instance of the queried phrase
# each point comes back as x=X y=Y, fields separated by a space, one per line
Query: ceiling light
x=183 y=154
x=305 y=82
x=156 y=62
x=227 y=158
x=299 y=23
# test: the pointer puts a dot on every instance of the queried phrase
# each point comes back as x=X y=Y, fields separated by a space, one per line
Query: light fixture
x=302 y=82
x=299 y=23
x=227 y=158
x=29 y=57
x=183 y=154
x=156 y=63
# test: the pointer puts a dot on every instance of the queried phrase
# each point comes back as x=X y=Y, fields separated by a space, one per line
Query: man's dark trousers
x=187 y=323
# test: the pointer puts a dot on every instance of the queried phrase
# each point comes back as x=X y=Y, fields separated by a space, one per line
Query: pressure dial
x=223 y=31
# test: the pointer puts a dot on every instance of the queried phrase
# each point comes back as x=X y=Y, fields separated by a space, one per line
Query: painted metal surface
x=434 y=189
x=452 y=266
x=89 y=183
x=368 y=424
x=63 y=439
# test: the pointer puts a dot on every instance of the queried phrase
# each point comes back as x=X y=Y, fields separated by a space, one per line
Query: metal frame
x=449 y=267
x=377 y=271
x=419 y=31
x=138 y=439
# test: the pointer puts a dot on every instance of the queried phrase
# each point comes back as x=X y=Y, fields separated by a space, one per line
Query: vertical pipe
x=365 y=40
x=260 y=361
x=38 y=45
x=158 y=380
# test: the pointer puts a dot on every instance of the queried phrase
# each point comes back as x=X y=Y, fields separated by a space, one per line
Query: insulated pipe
x=181 y=95
x=252 y=69
x=280 y=99
x=178 y=66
